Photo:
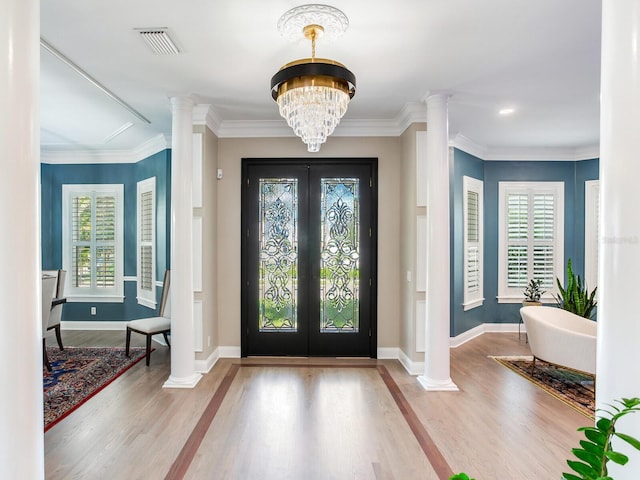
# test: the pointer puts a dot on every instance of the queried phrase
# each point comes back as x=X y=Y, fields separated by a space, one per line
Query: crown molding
x=484 y=152
x=410 y=113
x=150 y=147
x=204 y=114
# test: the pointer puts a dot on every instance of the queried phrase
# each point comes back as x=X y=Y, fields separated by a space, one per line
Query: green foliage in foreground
x=596 y=451
x=461 y=476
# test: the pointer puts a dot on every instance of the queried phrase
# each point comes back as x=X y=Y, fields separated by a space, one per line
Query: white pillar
x=436 y=374
x=22 y=424
x=183 y=373
x=618 y=368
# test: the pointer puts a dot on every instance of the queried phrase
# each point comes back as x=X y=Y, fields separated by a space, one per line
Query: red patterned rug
x=77 y=374
x=573 y=388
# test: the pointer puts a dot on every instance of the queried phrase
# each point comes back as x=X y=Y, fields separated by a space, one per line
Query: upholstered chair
x=48 y=287
x=56 y=308
x=153 y=325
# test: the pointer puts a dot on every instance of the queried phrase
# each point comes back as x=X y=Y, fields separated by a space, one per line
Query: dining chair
x=58 y=302
x=154 y=325
x=48 y=287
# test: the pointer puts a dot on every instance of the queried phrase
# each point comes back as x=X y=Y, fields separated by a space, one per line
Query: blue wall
x=572 y=174
x=128 y=174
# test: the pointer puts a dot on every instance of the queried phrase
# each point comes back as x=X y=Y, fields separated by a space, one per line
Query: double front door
x=308 y=257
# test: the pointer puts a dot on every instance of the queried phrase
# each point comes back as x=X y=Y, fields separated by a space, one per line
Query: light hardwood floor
x=311 y=422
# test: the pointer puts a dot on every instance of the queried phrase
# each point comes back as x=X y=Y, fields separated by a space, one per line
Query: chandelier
x=313 y=93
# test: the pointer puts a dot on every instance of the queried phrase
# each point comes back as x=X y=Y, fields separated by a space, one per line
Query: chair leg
x=533 y=365
x=128 y=342
x=148 y=349
x=45 y=357
x=166 y=339
x=59 y=336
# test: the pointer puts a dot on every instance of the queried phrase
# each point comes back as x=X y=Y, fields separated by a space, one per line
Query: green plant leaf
x=629 y=439
x=571 y=476
x=592 y=459
x=595 y=436
x=583 y=469
x=604 y=424
x=616 y=457
x=592 y=447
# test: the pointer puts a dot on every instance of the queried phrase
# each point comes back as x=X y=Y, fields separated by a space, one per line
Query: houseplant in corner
x=596 y=449
x=575 y=297
x=533 y=293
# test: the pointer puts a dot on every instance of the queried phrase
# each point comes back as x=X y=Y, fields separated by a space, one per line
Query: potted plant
x=575 y=297
x=596 y=450
x=533 y=292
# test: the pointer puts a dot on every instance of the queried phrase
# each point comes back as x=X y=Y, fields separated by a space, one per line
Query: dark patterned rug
x=573 y=388
x=77 y=374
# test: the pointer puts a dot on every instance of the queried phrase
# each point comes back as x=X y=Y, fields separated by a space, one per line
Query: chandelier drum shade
x=313 y=93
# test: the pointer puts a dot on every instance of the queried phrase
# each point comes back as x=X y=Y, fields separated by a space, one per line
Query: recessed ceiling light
x=506 y=111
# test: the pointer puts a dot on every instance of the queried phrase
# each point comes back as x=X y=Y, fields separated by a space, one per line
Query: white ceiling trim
x=77 y=157
x=204 y=114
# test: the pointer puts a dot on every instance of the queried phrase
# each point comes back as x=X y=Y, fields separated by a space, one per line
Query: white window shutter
x=531 y=236
x=473 y=242
x=146 y=258
x=93 y=242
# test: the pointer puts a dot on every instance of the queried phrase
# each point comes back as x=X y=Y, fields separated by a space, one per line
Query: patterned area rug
x=77 y=374
x=574 y=389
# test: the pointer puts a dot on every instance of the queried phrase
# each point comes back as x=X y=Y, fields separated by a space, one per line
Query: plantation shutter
x=531 y=236
x=146 y=237
x=92 y=241
x=473 y=259
x=473 y=268
x=105 y=228
x=517 y=239
x=146 y=291
x=81 y=237
x=543 y=238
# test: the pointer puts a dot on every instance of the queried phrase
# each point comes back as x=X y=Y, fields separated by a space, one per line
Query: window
x=591 y=232
x=531 y=237
x=473 y=235
x=146 y=248
x=92 y=242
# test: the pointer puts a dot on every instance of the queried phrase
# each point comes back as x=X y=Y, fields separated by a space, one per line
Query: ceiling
x=541 y=58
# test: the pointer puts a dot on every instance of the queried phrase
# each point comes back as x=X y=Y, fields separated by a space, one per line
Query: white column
x=436 y=356
x=22 y=425
x=183 y=372
x=618 y=368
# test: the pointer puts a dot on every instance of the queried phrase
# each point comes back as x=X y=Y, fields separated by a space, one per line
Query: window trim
x=147 y=299
x=473 y=299
x=110 y=295
x=515 y=295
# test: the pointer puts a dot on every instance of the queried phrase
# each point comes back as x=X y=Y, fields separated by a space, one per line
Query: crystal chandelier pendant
x=313 y=93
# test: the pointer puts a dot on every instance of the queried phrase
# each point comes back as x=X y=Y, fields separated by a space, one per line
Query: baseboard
x=463 y=338
x=93 y=325
x=412 y=368
x=386 y=353
x=503 y=327
x=228 y=352
x=205 y=366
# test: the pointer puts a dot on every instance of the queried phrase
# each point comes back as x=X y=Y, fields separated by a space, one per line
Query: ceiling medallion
x=313 y=93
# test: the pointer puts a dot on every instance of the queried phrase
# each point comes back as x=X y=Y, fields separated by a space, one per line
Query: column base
x=437 y=385
x=182 y=382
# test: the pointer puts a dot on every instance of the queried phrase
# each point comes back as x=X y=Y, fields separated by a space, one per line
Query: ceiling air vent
x=159 y=40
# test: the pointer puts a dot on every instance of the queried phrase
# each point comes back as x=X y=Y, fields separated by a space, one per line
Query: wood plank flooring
x=299 y=419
